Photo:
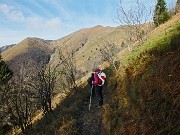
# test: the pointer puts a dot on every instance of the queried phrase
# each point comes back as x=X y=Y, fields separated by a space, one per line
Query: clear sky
x=53 y=19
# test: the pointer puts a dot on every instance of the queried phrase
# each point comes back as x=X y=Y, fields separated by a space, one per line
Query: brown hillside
x=165 y=26
x=28 y=53
x=88 y=42
x=24 y=46
x=85 y=42
x=145 y=98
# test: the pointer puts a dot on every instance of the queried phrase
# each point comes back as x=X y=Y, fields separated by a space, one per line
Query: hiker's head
x=95 y=69
x=100 y=67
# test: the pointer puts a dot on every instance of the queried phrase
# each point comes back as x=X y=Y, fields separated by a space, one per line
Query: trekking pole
x=90 y=98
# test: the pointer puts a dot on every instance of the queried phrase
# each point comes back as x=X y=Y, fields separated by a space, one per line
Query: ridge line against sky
x=53 y=19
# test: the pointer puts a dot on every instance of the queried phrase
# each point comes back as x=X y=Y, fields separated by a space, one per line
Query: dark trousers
x=99 y=93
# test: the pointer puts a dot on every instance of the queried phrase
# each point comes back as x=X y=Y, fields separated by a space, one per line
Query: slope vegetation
x=141 y=98
x=145 y=94
x=87 y=44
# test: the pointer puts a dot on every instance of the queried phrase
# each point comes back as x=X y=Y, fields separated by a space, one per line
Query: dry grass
x=87 y=43
x=55 y=101
x=63 y=119
x=140 y=97
x=165 y=26
x=24 y=46
x=145 y=97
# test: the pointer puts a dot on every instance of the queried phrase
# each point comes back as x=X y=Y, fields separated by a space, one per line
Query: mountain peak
x=33 y=38
x=98 y=26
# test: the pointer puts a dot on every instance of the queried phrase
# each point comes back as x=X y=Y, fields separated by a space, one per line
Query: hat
x=95 y=69
x=100 y=67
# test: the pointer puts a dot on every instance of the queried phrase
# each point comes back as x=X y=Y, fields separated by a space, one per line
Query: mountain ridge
x=85 y=42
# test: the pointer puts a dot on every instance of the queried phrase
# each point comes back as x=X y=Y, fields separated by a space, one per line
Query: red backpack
x=101 y=78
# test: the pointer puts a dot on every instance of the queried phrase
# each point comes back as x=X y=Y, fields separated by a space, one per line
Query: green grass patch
x=157 y=45
x=145 y=100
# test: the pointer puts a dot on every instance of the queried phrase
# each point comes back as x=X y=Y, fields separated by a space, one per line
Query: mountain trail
x=90 y=122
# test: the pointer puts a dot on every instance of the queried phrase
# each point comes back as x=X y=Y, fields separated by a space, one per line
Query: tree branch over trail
x=136 y=18
x=109 y=51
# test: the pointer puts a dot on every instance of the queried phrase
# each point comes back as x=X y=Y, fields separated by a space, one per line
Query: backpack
x=101 y=78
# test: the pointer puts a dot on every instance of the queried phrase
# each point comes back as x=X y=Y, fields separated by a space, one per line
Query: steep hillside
x=24 y=46
x=88 y=42
x=144 y=96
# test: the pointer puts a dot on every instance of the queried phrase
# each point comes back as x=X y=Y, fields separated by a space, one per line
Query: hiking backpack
x=101 y=78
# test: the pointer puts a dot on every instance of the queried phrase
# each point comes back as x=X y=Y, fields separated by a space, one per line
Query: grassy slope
x=24 y=46
x=88 y=42
x=63 y=120
x=28 y=53
x=146 y=97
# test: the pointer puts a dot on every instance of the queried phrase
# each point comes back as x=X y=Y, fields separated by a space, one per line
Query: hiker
x=90 y=80
x=99 y=80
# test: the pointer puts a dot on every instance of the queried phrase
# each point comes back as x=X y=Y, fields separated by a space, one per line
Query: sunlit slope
x=24 y=46
x=28 y=54
x=145 y=98
x=88 y=42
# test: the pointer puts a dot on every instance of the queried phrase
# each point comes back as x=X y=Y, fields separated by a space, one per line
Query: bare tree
x=20 y=109
x=136 y=18
x=177 y=6
x=172 y=10
x=109 y=51
x=67 y=67
x=46 y=79
x=19 y=102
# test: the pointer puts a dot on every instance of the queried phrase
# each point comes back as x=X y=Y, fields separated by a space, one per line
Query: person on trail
x=99 y=80
x=90 y=80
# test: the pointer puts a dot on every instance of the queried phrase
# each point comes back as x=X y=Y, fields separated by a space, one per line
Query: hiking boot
x=97 y=106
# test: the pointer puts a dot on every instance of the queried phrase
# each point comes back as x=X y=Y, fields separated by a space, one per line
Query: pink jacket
x=95 y=82
x=99 y=78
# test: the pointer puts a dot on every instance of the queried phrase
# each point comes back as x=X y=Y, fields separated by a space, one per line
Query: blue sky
x=53 y=19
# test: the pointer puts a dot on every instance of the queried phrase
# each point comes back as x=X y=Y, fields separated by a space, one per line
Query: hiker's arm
x=95 y=82
x=89 y=80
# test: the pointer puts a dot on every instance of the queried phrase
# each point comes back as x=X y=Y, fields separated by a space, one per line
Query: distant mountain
x=28 y=53
x=4 y=48
x=88 y=42
x=85 y=42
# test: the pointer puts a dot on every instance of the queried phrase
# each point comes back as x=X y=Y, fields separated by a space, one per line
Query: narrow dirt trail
x=90 y=122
